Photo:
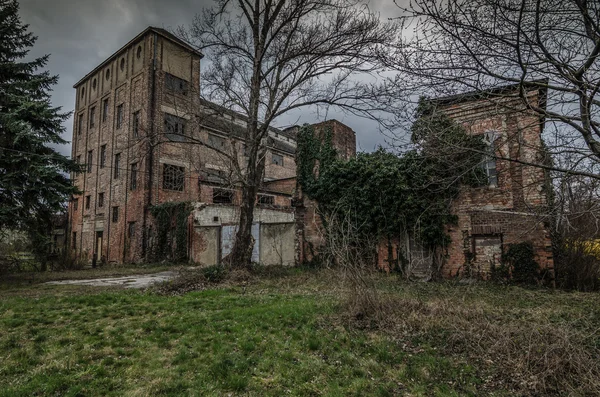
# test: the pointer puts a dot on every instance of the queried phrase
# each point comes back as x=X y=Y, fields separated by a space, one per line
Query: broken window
x=115 y=214
x=173 y=177
x=102 y=156
x=88 y=200
x=136 y=124
x=100 y=200
x=222 y=196
x=90 y=158
x=119 y=116
x=174 y=128
x=133 y=181
x=117 y=171
x=277 y=159
x=131 y=230
x=75 y=204
x=74 y=243
x=489 y=161
x=266 y=199
x=175 y=84
x=216 y=141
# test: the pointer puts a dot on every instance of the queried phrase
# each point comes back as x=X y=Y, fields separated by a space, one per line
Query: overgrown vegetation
x=388 y=195
x=171 y=228
x=518 y=265
x=284 y=333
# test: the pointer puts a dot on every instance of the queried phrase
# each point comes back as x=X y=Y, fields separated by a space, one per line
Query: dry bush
x=577 y=266
x=187 y=280
x=531 y=357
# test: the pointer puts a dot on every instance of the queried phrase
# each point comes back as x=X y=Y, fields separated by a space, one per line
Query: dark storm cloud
x=80 y=34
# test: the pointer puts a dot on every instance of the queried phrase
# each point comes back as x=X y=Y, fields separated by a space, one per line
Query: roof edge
x=540 y=84
x=160 y=31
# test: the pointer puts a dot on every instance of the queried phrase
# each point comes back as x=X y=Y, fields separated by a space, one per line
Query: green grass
x=279 y=336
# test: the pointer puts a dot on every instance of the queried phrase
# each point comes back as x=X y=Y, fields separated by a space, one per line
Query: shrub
x=215 y=273
x=520 y=264
x=577 y=267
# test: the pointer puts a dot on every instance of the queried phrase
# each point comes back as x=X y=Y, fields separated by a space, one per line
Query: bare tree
x=269 y=57
x=455 y=46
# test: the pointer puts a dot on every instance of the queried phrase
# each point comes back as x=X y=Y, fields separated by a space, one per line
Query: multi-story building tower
x=145 y=137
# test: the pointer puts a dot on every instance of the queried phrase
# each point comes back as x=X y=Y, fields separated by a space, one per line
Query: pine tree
x=34 y=182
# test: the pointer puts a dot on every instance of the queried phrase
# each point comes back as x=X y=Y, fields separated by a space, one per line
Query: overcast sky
x=80 y=34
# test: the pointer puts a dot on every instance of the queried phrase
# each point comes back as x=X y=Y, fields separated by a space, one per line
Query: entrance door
x=98 y=249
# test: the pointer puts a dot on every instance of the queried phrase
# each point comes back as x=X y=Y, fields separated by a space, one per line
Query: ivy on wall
x=171 y=234
x=389 y=194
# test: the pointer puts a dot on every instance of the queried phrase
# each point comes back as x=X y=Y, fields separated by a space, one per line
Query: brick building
x=147 y=138
x=511 y=208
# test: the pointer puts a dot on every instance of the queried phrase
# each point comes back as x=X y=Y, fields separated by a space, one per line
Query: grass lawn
x=276 y=336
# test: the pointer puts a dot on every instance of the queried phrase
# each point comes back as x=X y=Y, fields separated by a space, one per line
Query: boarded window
x=222 y=196
x=175 y=85
x=174 y=128
x=173 y=177
x=277 y=159
x=488 y=252
x=115 y=214
x=75 y=204
x=133 y=181
x=131 y=230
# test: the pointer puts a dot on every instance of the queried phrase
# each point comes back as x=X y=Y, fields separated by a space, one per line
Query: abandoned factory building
x=145 y=138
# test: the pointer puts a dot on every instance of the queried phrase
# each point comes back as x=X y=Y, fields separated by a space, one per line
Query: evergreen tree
x=34 y=182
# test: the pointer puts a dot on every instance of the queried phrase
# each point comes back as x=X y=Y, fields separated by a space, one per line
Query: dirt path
x=135 y=281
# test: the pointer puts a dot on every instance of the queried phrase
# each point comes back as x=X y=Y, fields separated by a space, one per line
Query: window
x=88 y=200
x=82 y=92
x=117 y=170
x=489 y=161
x=277 y=159
x=222 y=196
x=139 y=52
x=75 y=204
x=90 y=159
x=133 y=181
x=216 y=141
x=136 y=124
x=92 y=117
x=174 y=127
x=102 y=156
x=122 y=65
x=107 y=74
x=100 y=200
x=173 y=177
x=74 y=243
x=119 y=116
x=131 y=230
x=80 y=124
x=175 y=84
x=105 y=110
x=115 y=214
x=94 y=83
x=266 y=199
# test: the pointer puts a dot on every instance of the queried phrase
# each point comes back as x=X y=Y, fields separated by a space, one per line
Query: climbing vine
x=171 y=231
x=389 y=194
